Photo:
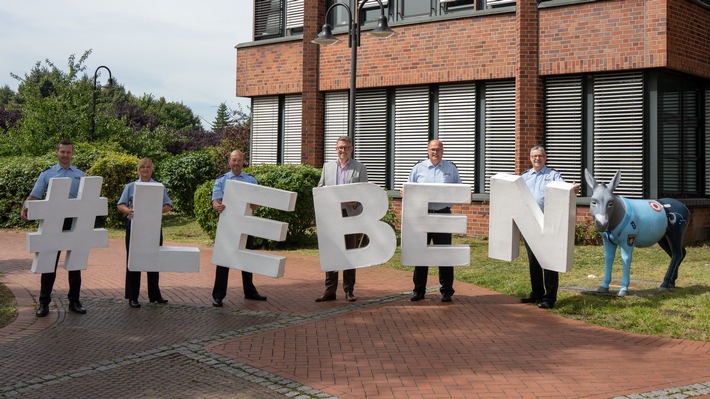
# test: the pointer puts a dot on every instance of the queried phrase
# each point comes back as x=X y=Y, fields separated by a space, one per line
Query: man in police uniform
x=544 y=282
x=236 y=161
x=435 y=170
x=64 y=168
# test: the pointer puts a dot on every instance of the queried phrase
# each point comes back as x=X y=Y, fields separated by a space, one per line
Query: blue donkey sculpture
x=629 y=223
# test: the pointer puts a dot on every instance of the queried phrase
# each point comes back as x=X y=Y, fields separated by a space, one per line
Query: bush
x=586 y=234
x=183 y=173
x=17 y=177
x=117 y=171
x=206 y=216
x=296 y=178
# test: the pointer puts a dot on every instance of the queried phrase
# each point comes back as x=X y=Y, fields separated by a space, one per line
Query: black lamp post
x=325 y=37
x=110 y=83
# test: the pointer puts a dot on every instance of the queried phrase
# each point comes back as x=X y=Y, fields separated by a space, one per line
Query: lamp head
x=325 y=37
x=382 y=30
x=111 y=83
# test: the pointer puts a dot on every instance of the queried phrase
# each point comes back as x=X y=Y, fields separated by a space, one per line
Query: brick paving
x=483 y=345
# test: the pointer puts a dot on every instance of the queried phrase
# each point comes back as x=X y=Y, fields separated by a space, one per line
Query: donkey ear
x=615 y=180
x=589 y=178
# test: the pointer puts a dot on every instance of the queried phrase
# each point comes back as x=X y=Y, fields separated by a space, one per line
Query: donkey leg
x=609 y=255
x=674 y=241
x=626 y=257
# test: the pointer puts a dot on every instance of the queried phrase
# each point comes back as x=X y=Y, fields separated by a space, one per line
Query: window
x=608 y=122
x=268 y=19
x=618 y=130
x=276 y=130
x=393 y=127
x=564 y=125
x=499 y=129
x=294 y=16
x=680 y=143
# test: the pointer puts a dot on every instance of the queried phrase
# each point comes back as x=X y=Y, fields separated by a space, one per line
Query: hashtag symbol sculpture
x=51 y=212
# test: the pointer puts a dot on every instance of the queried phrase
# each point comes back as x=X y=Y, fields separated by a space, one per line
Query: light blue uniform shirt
x=537 y=181
x=218 y=189
x=426 y=172
x=42 y=182
x=130 y=189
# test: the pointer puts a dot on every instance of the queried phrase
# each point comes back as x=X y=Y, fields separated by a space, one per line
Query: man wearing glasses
x=435 y=170
x=544 y=282
x=343 y=171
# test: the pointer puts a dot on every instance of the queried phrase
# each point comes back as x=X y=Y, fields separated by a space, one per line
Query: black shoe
x=134 y=304
x=546 y=305
x=76 y=307
x=216 y=302
x=327 y=296
x=417 y=297
x=159 y=300
x=445 y=297
x=529 y=300
x=42 y=310
x=255 y=297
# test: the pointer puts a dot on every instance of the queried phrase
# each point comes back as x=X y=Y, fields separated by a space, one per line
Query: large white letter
x=50 y=239
x=550 y=235
x=146 y=254
x=332 y=226
x=417 y=222
x=236 y=224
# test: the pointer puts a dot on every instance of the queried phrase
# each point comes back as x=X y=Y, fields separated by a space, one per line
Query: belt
x=442 y=210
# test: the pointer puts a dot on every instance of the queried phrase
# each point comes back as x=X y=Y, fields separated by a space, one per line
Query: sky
x=183 y=50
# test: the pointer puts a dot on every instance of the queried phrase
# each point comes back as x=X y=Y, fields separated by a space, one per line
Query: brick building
x=604 y=85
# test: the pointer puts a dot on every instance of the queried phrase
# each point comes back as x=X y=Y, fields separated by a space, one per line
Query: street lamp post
x=93 y=103
x=325 y=37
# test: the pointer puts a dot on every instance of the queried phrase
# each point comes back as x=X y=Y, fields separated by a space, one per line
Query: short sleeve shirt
x=130 y=189
x=536 y=182
x=426 y=172
x=42 y=183
x=218 y=189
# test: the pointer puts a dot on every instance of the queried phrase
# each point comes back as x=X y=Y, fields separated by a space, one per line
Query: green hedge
x=17 y=177
x=117 y=171
x=205 y=215
x=296 y=178
x=183 y=173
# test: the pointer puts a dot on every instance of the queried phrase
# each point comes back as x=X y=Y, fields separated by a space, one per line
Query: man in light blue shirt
x=544 y=282
x=63 y=168
x=435 y=170
x=219 y=291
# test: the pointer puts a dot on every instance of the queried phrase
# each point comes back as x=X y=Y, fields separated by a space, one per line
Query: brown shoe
x=350 y=297
x=327 y=296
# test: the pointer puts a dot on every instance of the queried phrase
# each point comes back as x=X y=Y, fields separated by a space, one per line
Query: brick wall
x=689 y=37
x=270 y=69
x=603 y=36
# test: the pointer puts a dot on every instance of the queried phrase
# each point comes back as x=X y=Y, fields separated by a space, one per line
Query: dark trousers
x=47 y=279
x=544 y=282
x=221 y=277
x=446 y=273
x=331 y=278
x=133 y=278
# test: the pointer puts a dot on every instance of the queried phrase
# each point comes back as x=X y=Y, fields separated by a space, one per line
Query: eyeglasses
x=343 y=148
x=436 y=150
x=538 y=156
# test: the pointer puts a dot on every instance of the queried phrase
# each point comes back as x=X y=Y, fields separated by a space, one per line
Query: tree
x=223 y=119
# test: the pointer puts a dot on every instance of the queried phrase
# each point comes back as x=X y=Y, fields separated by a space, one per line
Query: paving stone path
x=482 y=345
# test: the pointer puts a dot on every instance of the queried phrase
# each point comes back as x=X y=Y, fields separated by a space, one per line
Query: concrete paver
x=483 y=345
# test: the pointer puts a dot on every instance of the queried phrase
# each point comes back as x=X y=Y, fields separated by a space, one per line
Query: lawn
x=682 y=313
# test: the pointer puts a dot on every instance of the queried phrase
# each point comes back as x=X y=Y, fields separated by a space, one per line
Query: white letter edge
x=550 y=235
x=236 y=223
x=417 y=222
x=51 y=212
x=332 y=226
x=146 y=254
